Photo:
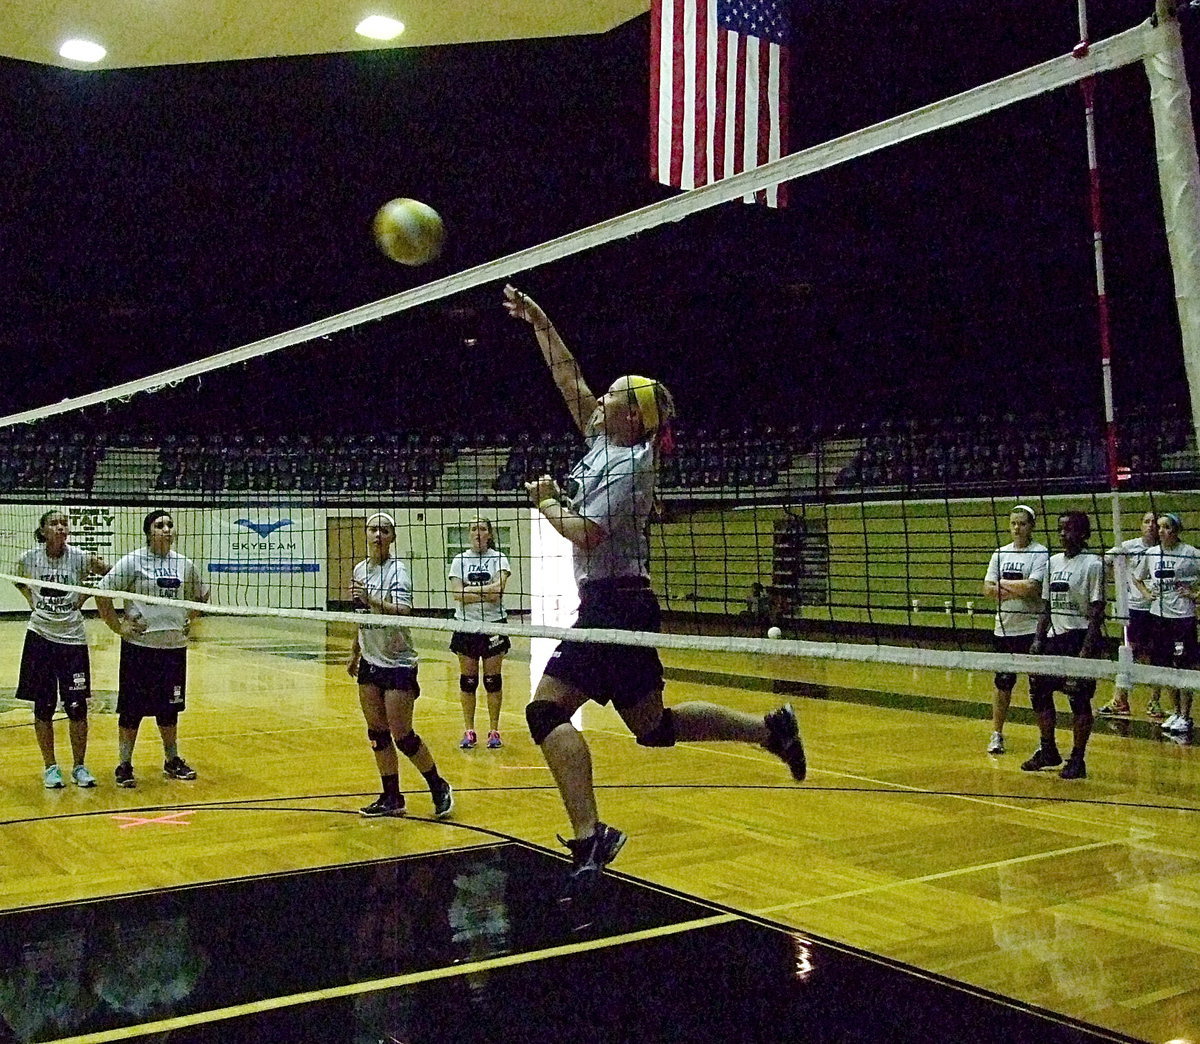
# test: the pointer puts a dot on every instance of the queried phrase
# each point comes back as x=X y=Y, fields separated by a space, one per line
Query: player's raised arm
x=563 y=367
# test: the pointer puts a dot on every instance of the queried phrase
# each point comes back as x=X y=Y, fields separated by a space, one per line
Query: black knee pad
x=167 y=720
x=409 y=744
x=468 y=682
x=544 y=716
x=44 y=711
x=1041 y=694
x=76 y=709
x=129 y=721
x=492 y=683
x=1005 y=682
x=380 y=739
x=663 y=734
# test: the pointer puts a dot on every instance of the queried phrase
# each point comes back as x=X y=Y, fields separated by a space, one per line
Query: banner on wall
x=265 y=557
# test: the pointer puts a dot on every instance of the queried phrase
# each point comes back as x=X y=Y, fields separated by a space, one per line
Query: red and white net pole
x=1088 y=86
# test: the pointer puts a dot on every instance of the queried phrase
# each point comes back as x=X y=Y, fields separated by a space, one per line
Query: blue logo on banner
x=263 y=529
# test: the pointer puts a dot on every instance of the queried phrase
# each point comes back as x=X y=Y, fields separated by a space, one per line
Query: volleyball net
x=862 y=541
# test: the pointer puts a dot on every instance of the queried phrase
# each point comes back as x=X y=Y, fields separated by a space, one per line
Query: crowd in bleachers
x=964 y=454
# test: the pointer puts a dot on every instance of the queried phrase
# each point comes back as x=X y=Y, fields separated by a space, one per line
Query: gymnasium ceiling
x=172 y=32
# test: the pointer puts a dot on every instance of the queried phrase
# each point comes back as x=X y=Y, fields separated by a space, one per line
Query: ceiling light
x=379 y=27
x=82 y=51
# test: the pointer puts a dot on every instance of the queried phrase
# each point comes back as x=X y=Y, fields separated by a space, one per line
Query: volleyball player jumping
x=604 y=514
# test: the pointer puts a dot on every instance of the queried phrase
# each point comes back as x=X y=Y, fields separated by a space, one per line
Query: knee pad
x=492 y=683
x=129 y=721
x=544 y=716
x=663 y=734
x=76 y=709
x=409 y=744
x=43 y=711
x=1041 y=695
x=380 y=739
x=168 y=720
x=468 y=682
x=1005 y=682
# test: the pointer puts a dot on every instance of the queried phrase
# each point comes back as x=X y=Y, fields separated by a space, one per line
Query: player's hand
x=352 y=667
x=358 y=594
x=543 y=488
x=1035 y=647
x=132 y=628
x=521 y=306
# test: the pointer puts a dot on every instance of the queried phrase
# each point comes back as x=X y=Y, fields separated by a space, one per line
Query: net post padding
x=1130 y=46
x=1179 y=183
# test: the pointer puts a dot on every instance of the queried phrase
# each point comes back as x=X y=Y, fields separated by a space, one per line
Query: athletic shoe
x=1115 y=708
x=1074 y=769
x=1154 y=709
x=384 y=805
x=1169 y=724
x=81 y=777
x=589 y=856
x=469 y=740
x=1042 y=759
x=52 y=778
x=996 y=746
x=1180 y=724
x=177 y=768
x=784 y=740
x=494 y=740
x=124 y=775
x=443 y=799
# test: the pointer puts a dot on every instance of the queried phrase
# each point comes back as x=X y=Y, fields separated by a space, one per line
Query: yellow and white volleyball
x=774 y=632
x=409 y=231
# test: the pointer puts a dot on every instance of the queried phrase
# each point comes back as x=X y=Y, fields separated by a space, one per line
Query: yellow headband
x=643 y=391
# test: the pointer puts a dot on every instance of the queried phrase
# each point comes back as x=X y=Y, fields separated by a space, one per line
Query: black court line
x=469 y=945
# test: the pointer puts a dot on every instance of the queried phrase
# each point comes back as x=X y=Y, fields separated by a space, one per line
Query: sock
x=125 y=751
x=170 y=750
x=432 y=778
x=1077 y=753
x=391 y=784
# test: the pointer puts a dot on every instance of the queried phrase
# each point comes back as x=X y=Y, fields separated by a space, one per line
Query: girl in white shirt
x=54 y=661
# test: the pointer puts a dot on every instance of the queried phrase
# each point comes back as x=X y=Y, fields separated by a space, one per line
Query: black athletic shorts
x=1173 y=642
x=1010 y=644
x=53 y=669
x=152 y=681
x=479 y=646
x=389 y=679
x=1141 y=629
x=624 y=674
x=1079 y=690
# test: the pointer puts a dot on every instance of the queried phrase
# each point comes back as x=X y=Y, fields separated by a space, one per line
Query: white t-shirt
x=614 y=487
x=479 y=569
x=1165 y=572
x=166 y=576
x=1018 y=615
x=1071 y=585
x=1132 y=551
x=56 y=615
x=386 y=645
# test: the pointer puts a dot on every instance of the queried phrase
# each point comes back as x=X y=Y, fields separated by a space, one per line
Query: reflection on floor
x=461 y=946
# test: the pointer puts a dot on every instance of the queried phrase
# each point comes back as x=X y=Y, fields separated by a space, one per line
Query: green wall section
x=883 y=555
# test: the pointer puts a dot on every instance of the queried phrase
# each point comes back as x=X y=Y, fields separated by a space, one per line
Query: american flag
x=718 y=90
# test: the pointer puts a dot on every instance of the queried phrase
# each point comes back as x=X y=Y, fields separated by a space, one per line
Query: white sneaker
x=1178 y=724
x=52 y=778
x=82 y=777
x=996 y=746
x=1169 y=724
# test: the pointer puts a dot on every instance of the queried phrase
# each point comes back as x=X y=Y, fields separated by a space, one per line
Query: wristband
x=548 y=502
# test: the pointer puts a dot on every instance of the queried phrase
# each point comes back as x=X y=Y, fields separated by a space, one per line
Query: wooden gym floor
x=907 y=842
